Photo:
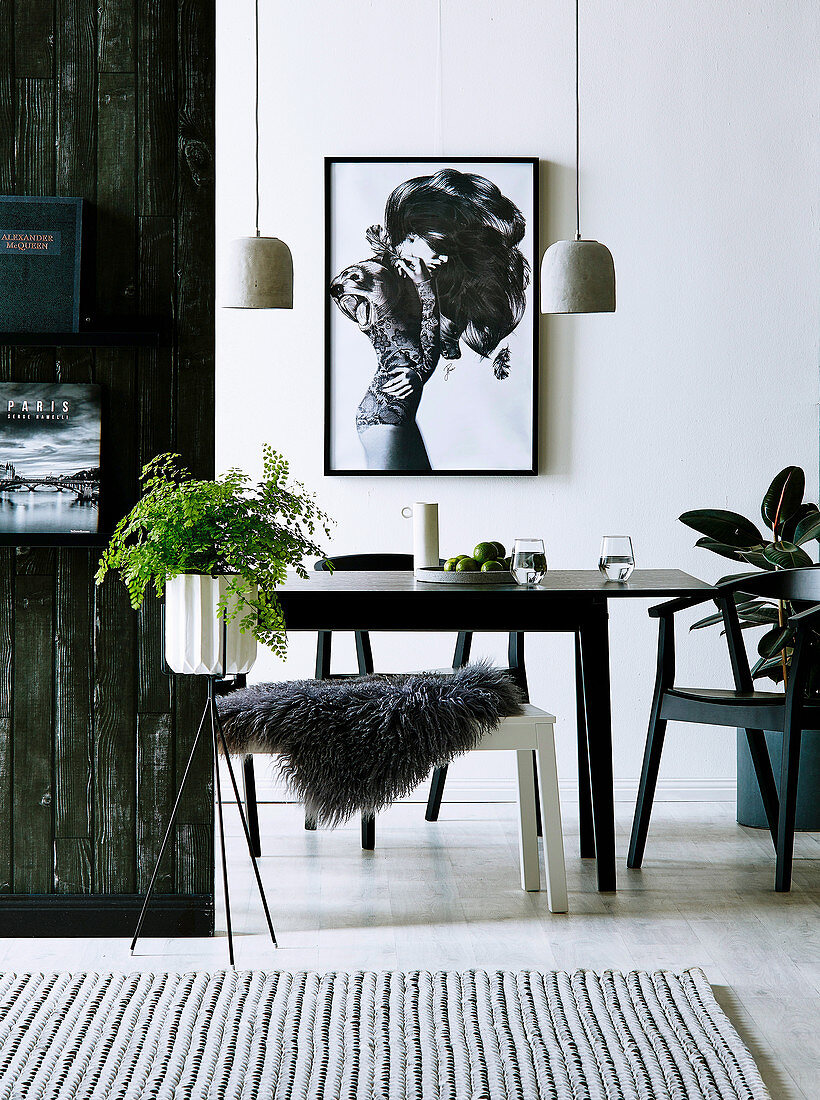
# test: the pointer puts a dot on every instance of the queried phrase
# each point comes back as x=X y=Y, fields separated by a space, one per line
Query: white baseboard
x=269 y=789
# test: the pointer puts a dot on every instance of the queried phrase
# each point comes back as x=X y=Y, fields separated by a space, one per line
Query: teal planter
x=749 y=803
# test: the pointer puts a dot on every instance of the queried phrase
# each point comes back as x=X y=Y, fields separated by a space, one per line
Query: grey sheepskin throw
x=353 y=746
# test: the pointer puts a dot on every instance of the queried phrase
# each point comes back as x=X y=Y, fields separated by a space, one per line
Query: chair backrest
x=361 y=562
x=797 y=585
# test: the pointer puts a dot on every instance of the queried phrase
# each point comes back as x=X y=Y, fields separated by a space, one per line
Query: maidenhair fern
x=232 y=525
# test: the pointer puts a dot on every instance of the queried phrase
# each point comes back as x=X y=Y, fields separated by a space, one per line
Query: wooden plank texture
x=76 y=99
x=116 y=35
x=194 y=859
x=196 y=807
x=73 y=700
x=33 y=718
x=195 y=381
x=156 y=98
x=156 y=791
x=6 y=628
x=7 y=97
x=116 y=224
x=155 y=401
x=72 y=865
x=6 y=818
x=115 y=709
x=7 y=575
x=34 y=38
x=114 y=793
x=34 y=174
x=111 y=100
x=115 y=713
x=195 y=204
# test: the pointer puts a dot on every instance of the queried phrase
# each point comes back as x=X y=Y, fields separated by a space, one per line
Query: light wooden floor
x=446 y=896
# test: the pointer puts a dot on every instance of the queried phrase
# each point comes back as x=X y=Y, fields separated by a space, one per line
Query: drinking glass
x=617 y=559
x=528 y=562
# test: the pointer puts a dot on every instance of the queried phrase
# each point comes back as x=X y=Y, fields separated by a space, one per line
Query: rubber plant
x=793 y=523
x=253 y=531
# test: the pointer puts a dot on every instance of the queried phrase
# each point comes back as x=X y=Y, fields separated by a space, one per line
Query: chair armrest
x=671 y=607
x=804 y=618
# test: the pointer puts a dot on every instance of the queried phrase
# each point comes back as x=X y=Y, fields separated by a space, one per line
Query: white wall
x=700 y=171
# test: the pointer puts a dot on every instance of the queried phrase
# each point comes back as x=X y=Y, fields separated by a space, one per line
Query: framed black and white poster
x=50 y=476
x=431 y=315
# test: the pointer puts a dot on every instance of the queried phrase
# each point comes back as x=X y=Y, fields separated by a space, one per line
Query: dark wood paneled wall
x=111 y=100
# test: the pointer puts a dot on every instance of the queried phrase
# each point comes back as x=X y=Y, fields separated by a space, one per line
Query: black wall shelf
x=98 y=338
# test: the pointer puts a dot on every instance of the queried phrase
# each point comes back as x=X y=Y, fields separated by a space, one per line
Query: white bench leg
x=551 y=819
x=527 y=824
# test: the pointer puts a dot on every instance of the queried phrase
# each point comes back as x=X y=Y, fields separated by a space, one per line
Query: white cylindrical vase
x=425 y=534
x=197 y=640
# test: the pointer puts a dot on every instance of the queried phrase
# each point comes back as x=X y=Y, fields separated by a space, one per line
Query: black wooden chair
x=515 y=664
x=789 y=713
x=364 y=661
x=364 y=652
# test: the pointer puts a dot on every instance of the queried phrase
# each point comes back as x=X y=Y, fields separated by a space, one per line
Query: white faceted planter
x=194 y=633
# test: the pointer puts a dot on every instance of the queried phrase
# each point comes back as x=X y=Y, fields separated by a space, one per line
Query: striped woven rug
x=465 y=1036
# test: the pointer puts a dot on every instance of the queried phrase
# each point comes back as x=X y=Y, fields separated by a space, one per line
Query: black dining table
x=572 y=601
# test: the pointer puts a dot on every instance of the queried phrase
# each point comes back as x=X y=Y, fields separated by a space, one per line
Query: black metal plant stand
x=210 y=715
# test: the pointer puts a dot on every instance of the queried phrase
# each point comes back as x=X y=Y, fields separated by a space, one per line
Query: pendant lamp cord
x=438 y=122
x=256 y=114
x=577 y=133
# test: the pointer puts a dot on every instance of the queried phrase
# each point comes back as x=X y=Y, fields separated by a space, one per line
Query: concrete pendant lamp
x=259 y=270
x=577 y=276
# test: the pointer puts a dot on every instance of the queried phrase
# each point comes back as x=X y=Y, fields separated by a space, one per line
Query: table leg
x=595 y=658
x=584 y=789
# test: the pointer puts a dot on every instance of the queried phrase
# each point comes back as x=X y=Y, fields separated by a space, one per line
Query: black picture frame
x=531 y=164
x=107 y=510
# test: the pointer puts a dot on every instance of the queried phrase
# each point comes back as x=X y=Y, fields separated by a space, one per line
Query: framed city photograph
x=431 y=324
x=50 y=464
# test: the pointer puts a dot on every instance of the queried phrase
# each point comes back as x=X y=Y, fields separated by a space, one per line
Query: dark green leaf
x=807 y=529
x=745 y=602
x=723 y=526
x=760 y=616
x=757 y=556
x=771 y=667
x=710 y=620
x=785 y=555
x=788 y=528
x=774 y=640
x=783 y=497
x=754 y=612
x=719 y=548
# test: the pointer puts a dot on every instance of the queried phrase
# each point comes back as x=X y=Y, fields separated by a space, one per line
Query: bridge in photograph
x=85 y=491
